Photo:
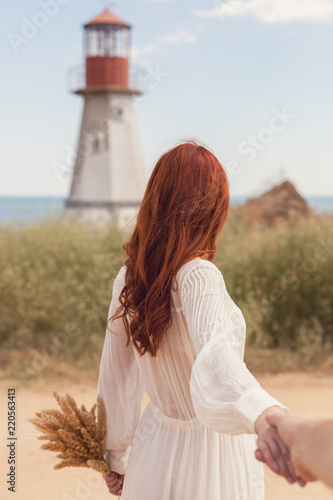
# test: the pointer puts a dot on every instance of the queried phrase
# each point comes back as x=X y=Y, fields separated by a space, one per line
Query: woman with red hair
x=176 y=332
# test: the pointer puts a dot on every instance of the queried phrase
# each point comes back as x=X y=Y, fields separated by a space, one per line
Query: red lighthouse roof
x=107 y=17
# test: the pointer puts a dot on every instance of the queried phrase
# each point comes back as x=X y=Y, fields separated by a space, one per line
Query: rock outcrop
x=282 y=202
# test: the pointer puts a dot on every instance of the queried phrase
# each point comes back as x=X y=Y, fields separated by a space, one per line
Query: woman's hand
x=114 y=482
x=272 y=450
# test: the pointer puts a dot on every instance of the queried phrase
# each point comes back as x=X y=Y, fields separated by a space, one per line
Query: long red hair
x=183 y=210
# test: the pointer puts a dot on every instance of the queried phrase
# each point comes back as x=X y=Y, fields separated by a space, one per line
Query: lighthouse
x=109 y=177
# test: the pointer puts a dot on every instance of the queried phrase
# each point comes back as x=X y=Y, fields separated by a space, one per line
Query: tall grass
x=282 y=279
x=55 y=290
x=57 y=276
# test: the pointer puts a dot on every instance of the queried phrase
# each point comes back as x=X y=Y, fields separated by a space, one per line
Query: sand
x=304 y=393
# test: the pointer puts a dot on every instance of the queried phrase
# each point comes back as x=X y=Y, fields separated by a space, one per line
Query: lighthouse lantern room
x=109 y=178
x=107 y=46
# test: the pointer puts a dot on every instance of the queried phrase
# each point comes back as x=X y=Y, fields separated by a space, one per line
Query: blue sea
x=18 y=210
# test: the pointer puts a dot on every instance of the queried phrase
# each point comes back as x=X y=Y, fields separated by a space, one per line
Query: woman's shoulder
x=119 y=280
x=198 y=263
x=198 y=268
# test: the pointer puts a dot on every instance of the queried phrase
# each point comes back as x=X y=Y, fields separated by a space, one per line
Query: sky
x=250 y=79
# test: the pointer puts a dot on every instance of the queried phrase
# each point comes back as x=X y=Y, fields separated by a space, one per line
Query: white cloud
x=272 y=11
x=181 y=36
x=144 y=50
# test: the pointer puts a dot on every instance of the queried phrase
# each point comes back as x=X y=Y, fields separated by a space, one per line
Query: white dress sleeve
x=120 y=386
x=225 y=395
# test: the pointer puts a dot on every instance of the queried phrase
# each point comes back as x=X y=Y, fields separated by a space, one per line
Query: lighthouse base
x=123 y=214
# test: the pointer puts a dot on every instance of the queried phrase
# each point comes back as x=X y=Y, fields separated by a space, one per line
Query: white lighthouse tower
x=109 y=176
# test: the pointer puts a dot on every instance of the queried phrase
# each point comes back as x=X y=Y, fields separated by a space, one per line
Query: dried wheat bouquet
x=76 y=433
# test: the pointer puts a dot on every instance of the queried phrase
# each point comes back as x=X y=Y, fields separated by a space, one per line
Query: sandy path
x=307 y=394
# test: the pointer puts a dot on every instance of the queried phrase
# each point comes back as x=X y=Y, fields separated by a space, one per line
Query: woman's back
x=195 y=439
x=167 y=375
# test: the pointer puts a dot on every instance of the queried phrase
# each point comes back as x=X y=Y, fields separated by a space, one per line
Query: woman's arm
x=120 y=386
x=225 y=395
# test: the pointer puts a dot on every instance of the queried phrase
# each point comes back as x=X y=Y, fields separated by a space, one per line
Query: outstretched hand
x=114 y=482
x=295 y=433
x=273 y=451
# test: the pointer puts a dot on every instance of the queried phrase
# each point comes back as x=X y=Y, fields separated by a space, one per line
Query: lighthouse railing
x=138 y=78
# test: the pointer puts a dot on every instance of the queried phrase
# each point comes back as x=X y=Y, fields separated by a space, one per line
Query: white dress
x=195 y=439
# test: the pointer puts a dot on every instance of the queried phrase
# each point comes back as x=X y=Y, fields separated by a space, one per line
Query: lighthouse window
x=96 y=144
x=93 y=45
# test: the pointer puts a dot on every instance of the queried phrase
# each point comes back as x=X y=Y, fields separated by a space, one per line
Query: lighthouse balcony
x=101 y=74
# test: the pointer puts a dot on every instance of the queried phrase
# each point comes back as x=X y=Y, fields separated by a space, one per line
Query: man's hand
x=272 y=450
x=296 y=432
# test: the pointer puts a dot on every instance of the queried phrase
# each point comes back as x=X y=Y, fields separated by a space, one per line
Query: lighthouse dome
x=107 y=17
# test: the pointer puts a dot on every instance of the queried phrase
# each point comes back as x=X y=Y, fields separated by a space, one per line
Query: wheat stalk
x=76 y=434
